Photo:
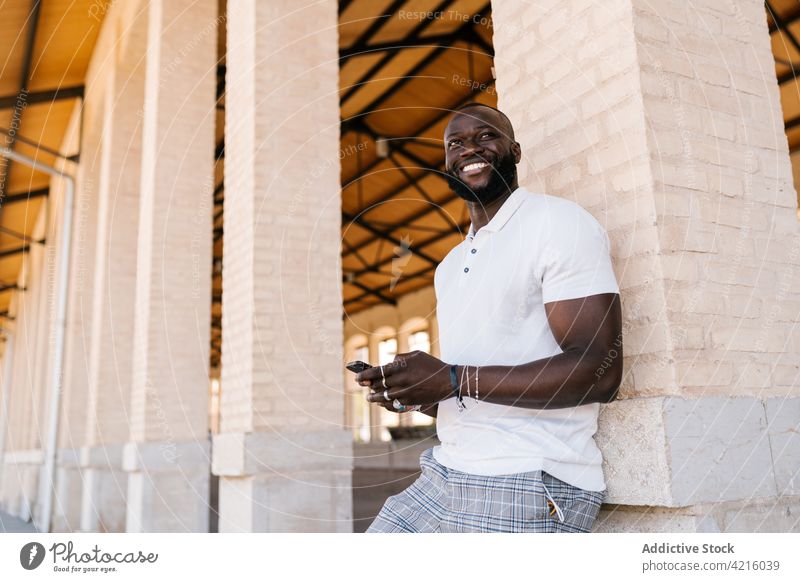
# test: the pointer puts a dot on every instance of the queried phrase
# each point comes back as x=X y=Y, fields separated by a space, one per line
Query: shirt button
x=466 y=269
x=473 y=251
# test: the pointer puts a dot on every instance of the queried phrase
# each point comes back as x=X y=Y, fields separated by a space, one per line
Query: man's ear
x=517 y=149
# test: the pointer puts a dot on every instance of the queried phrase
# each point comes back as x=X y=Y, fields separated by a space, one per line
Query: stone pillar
x=72 y=422
x=405 y=418
x=20 y=413
x=167 y=456
x=284 y=457
x=114 y=280
x=39 y=284
x=433 y=336
x=349 y=400
x=664 y=121
x=375 y=411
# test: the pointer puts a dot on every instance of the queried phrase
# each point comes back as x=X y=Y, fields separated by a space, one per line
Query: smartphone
x=357 y=366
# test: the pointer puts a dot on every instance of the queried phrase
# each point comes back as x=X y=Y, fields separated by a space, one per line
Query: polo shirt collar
x=508 y=208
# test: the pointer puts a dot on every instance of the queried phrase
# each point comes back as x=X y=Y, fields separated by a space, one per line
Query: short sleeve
x=576 y=257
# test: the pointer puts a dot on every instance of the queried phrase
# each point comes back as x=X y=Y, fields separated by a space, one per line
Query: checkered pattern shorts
x=448 y=501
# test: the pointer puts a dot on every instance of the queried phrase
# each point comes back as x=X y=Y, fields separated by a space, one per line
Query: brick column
x=114 y=281
x=72 y=423
x=663 y=120
x=375 y=411
x=403 y=419
x=284 y=457
x=433 y=335
x=167 y=456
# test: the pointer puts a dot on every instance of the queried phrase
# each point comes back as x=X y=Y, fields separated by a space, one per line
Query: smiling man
x=531 y=343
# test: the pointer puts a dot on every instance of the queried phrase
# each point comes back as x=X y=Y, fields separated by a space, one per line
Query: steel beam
x=385 y=236
x=23 y=196
x=47 y=96
x=15 y=251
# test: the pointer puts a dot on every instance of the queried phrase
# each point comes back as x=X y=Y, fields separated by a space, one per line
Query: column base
x=285 y=482
x=778 y=515
x=66 y=510
x=168 y=487
x=105 y=485
x=20 y=484
x=679 y=452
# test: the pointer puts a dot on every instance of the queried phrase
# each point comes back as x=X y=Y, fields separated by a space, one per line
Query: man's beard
x=502 y=176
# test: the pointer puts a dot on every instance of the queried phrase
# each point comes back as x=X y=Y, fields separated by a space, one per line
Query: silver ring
x=384 y=383
x=386 y=395
x=398 y=405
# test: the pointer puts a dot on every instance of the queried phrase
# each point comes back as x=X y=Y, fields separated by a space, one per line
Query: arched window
x=387 y=350
x=420 y=340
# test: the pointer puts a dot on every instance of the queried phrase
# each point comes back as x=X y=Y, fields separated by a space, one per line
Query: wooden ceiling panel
x=790 y=99
x=783 y=49
x=20 y=217
x=354 y=68
x=785 y=35
x=44 y=123
x=402 y=22
x=372 y=186
x=358 y=17
x=454 y=16
x=13 y=35
x=355 y=235
x=383 y=81
x=793 y=137
x=357 y=152
x=432 y=156
x=23 y=180
x=65 y=39
x=10 y=266
x=787 y=9
x=409 y=203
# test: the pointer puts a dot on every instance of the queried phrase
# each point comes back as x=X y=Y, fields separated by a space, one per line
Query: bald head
x=497 y=118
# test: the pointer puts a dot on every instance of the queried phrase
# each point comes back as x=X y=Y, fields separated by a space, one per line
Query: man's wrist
x=454 y=375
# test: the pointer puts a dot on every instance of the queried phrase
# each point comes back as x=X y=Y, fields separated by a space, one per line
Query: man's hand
x=412 y=378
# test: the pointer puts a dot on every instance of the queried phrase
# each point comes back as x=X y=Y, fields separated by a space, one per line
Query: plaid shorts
x=448 y=501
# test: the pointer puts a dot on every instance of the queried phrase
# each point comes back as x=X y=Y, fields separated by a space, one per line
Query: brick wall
x=655 y=119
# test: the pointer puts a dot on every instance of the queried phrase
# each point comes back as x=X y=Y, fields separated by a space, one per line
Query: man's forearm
x=561 y=381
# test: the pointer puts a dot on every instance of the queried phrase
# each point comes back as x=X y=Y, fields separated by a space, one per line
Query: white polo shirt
x=490 y=293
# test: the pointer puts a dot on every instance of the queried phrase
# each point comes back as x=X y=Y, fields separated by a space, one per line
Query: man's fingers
x=378 y=372
x=378 y=397
x=368 y=374
x=400 y=394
